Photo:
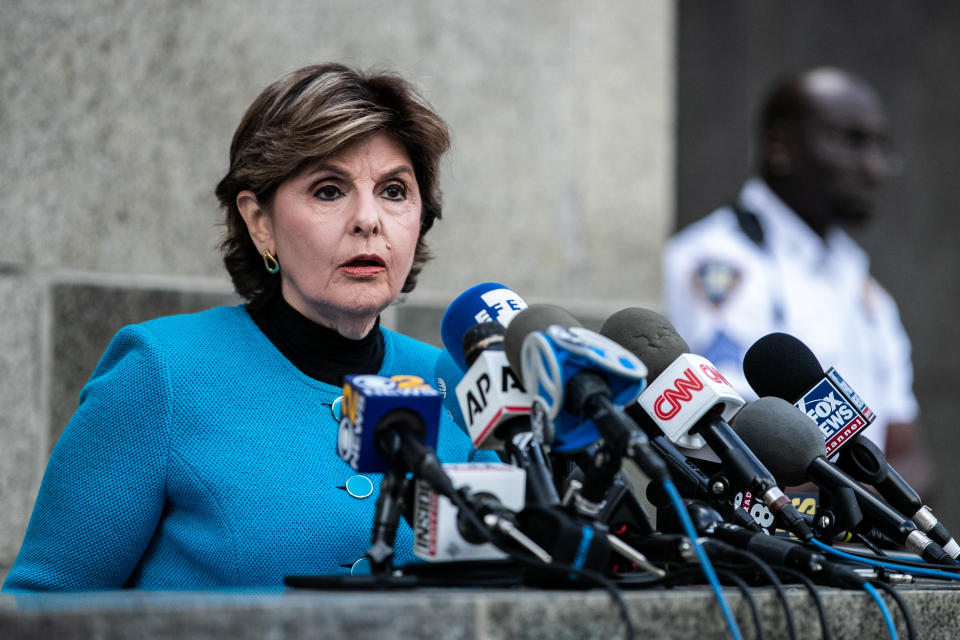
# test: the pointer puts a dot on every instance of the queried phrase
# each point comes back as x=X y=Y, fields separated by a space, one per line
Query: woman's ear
x=259 y=222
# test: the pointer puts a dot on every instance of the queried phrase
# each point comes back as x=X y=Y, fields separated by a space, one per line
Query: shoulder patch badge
x=716 y=280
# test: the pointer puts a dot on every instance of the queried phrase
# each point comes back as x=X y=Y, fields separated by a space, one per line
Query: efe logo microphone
x=502 y=305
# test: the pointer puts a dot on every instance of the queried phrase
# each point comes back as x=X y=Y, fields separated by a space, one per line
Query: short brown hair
x=309 y=115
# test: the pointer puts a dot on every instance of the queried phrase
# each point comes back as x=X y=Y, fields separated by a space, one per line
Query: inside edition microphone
x=690 y=402
x=782 y=366
x=443 y=532
x=789 y=443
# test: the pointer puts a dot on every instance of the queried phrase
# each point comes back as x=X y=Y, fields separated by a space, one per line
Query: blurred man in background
x=777 y=258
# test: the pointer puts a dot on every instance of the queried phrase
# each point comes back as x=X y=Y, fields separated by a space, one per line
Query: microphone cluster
x=564 y=406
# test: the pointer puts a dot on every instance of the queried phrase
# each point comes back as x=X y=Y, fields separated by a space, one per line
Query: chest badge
x=715 y=281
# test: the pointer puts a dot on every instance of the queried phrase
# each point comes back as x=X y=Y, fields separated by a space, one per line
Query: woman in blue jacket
x=203 y=452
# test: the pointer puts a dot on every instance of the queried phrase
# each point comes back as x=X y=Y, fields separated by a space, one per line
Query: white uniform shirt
x=723 y=291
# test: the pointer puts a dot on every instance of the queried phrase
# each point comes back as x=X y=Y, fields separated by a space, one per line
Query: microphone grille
x=647 y=335
x=782 y=437
x=480 y=337
x=536 y=317
x=780 y=365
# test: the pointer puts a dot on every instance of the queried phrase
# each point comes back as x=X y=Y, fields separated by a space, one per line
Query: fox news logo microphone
x=687 y=390
x=375 y=404
x=836 y=409
x=782 y=366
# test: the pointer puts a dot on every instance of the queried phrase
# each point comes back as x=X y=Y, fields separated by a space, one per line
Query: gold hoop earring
x=270 y=262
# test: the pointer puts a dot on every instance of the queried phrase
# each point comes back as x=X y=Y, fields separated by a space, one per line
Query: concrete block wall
x=116 y=119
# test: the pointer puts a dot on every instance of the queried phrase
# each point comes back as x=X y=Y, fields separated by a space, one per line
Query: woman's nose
x=366 y=216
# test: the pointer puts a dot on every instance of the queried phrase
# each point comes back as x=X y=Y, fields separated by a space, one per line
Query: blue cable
x=920 y=571
x=887 y=616
x=707 y=568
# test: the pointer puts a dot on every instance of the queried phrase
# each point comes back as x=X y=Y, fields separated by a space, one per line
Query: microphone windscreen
x=782 y=437
x=479 y=338
x=536 y=317
x=647 y=335
x=780 y=365
x=484 y=302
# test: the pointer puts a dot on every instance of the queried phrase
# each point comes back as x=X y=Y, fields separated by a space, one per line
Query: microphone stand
x=386 y=519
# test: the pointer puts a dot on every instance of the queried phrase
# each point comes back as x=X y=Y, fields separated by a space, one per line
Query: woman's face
x=344 y=231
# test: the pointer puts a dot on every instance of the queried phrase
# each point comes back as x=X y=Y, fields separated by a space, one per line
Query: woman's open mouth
x=363 y=266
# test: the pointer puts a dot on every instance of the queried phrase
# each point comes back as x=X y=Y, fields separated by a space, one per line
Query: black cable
x=748 y=596
x=869 y=544
x=907 y=618
x=764 y=568
x=775 y=584
x=592 y=576
x=693 y=575
x=676 y=577
x=814 y=595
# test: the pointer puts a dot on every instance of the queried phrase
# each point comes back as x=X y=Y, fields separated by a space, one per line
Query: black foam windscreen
x=536 y=317
x=780 y=365
x=479 y=337
x=647 y=335
x=782 y=437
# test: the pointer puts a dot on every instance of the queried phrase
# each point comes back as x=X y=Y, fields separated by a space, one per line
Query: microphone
x=579 y=382
x=385 y=417
x=491 y=403
x=490 y=395
x=496 y=409
x=864 y=461
x=690 y=401
x=797 y=454
x=484 y=302
x=782 y=366
x=772 y=549
x=390 y=426
x=494 y=492
x=442 y=533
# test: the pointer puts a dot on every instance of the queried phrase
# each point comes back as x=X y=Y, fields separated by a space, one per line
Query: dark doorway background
x=729 y=52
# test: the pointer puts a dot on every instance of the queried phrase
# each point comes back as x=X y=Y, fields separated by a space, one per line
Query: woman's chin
x=356 y=312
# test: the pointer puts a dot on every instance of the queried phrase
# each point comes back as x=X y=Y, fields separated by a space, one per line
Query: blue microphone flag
x=367 y=400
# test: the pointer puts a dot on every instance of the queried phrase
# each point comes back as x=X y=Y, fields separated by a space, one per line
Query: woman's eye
x=327 y=192
x=395 y=192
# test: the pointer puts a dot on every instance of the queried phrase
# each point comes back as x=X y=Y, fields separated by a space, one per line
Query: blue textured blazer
x=201 y=457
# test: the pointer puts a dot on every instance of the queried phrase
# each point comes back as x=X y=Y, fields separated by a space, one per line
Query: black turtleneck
x=321 y=353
